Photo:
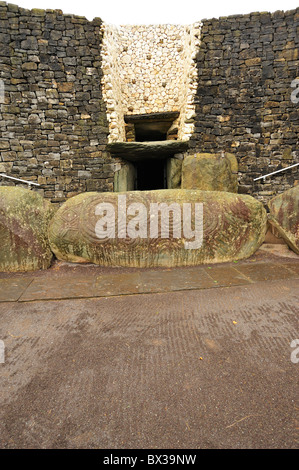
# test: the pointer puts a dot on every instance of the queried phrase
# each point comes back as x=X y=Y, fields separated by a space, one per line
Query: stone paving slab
x=128 y=283
x=175 y=280
x=227 y=276
x=294 y=268
x=12 y=289
x=66 y=287
x=55 y=285
x=266 y=272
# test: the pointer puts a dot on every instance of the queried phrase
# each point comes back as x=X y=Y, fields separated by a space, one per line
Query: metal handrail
x=18 y=179
x=274 y=172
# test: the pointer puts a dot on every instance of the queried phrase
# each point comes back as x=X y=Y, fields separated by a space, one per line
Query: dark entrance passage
x=151 y=127
x=151 y=174
x=151 y=131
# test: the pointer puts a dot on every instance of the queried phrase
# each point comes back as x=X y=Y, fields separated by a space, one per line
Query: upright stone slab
x=210 y=172
x=118 y=229
x=24 y=219
x=174 y=173
x=284 y=215
x=124 y=179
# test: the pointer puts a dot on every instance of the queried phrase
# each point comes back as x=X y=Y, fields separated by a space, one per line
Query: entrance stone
x=233 y=228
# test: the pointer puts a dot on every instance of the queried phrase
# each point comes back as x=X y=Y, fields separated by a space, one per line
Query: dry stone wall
x=69 y=82
x=53 y=126
x=246 y=65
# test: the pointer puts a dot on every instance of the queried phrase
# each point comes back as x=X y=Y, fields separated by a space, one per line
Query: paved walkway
x=65 y=281
x=202 y=359
x=207 y=368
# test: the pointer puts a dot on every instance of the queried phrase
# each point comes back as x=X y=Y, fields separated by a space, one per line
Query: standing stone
x=174 y=173
x=24 y=219
x=284 y=216
x=124 y=179
x=210 y=172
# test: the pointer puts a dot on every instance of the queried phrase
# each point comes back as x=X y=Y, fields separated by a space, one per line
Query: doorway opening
x=151 y=127
x=151 y=131
x=151 y=174
x=149 y=164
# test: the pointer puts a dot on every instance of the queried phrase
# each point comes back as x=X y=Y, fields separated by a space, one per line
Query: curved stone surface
x=284 y=215
x=24 y=218
x=210 y=172
x=234 y=227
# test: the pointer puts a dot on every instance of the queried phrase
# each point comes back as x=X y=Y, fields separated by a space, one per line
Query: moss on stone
x=284 y=216
x=210 y=172
x=24 y=219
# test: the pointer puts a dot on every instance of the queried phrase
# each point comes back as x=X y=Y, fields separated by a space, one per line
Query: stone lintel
x=136 y=151
x=164 y=116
